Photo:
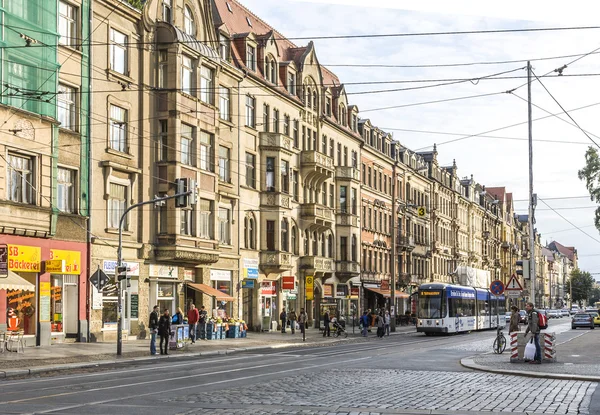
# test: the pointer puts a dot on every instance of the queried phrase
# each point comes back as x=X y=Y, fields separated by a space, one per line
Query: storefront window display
x=56 y=304
x=109 y=312
x=224 y=308
x=166 y=297
x=23 y=306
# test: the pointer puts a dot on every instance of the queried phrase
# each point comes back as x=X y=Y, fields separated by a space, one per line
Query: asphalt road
x=401 y=374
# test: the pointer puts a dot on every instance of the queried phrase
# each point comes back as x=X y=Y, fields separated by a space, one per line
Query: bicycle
x=500 y=342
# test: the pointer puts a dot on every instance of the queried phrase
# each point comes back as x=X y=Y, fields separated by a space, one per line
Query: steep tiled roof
x=497 y=192
x=569 y=252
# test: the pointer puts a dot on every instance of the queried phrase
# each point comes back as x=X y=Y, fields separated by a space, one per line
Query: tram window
x=461 y=307
x=430 y=306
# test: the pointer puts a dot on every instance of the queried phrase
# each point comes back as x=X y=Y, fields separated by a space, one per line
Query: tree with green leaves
x=581 y=284
x=595 y=295
x=591 y=175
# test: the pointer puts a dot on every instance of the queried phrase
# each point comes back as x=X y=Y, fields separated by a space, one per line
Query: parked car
x=574 y=310
x=582 y=320
x=595 y=316
x=523 y=318
x=553 y=314
x=565 y=313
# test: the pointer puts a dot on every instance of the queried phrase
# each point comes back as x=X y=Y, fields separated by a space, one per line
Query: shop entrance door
x=70 y=311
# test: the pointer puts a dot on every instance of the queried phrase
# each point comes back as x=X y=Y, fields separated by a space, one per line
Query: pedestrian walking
x=326 y=321
x=193 y=316
x=533 y=327
x=164 y=331
x=292 y=317
x=514 y=319
x=283 y=319
x=303 y=321
x=379 y=321
x=153 y=327
x=202 y=323
x=386 y=322
x=364 y=322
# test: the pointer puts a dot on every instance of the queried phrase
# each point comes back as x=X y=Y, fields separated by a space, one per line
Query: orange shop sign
x=24 y=258
x=72 y=261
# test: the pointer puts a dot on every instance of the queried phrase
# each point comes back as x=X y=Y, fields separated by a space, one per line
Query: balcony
x=320 y=216
x=317 y=263
x=347 y=173
x=347 y=219
x=316 y=168
x=275 y=261
x=347 y=267
x=190 y=251
x=276 y=200
x=278 y=142
x=406 y=243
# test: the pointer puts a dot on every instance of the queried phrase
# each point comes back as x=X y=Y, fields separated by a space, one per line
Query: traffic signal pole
x=531 y=221
x=120 y=261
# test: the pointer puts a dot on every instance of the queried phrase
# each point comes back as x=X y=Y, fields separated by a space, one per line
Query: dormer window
x=291 y=83
x=229 y=7
x=189 y=25
x=224 y=47
x=248 y=21
x=251 y=57
x=270 y=70
x=343 y=117
x=328 y=106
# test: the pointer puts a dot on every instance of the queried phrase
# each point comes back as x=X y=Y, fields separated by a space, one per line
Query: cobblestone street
x=368 y=392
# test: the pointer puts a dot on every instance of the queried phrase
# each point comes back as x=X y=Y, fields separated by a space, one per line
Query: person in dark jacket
x=326 y=321
x=164 y=330
x=153 y=327
x=293 y=317
x=514 y=319
x=177 y=317
x=364 y=322
x=533 y=326
x=283 y=319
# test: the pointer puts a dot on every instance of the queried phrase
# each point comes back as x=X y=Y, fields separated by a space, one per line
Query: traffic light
x=122 y=273
x=181 y=187
x=524 y=271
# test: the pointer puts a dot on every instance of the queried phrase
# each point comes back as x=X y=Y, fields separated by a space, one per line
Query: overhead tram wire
x=568 y=221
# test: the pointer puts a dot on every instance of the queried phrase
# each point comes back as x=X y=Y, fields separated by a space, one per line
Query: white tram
x=446 y=308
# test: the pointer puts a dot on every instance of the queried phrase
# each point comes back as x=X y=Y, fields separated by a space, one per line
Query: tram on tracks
x=448 y=308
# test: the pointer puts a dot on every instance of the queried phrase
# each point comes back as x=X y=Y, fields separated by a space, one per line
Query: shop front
x=268 y=304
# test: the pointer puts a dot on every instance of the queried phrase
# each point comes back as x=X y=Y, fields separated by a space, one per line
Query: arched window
x=314 y=101
x=294 y=240
x=251 y=234
x=306 y=242
x=315 y=244
x=284 y=236
x=273 y=69
x=189 y=26
x=308 y=97
x=329 y=246
x=246 y=244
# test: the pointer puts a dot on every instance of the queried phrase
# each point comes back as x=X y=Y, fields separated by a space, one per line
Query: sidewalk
x=68 y=356
x=577 y=359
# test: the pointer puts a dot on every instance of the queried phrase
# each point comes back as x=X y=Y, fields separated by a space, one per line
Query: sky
x=501 y=157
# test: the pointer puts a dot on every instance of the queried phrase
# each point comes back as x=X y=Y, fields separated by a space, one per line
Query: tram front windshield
x=430 y=304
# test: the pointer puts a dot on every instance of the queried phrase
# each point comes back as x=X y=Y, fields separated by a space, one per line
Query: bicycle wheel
x=499 y=344
x=335 y=333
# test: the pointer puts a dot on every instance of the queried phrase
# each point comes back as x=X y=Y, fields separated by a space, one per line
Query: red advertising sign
x=288 y=283
x=327 y=290
x=354 y=291
x=267 y=288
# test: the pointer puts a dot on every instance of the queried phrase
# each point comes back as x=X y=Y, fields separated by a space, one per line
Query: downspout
x=89 y=176
x=239 y=176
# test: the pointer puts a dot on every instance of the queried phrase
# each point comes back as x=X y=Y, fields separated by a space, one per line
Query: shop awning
x=387 y=294
x=203 y=288
x=15 y=282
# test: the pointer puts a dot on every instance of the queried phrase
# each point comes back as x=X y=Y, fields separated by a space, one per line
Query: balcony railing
x=317 y=263
x=347 y=173
x=347 y=219
x=347 y=267
x=316 y=168
x=277 y=141
x=275 y=261
x=275 y=199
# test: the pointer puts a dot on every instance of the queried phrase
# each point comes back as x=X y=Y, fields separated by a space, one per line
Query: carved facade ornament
x=24 y=129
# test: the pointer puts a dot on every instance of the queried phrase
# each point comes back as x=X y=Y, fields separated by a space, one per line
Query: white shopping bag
x=529 y=353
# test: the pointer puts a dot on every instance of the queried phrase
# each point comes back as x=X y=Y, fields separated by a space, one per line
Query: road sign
x=421 y=211
x=99 y=279
x=513 y=294
x=309 y=285
x=513 y=284
x=497 y=287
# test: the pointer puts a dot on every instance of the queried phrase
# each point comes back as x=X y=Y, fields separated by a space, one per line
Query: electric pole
x=394 y=260
x=531 y=197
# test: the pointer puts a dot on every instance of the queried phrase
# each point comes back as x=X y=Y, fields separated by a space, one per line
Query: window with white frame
x=250 y=111
x=224 y=100
x=20 y=179
x=187 y=144
x=275 y=120
x=251 y=170
x=187 y=75
x=163 y=69
x=117 y=203
x=189 y=25
x=187 y=221
x=224 y=47
x=205 y=225
x=286 y=125
x=118 y=51
x=67 y=24
x=206 y=140
x=65 y=190
x=163 y=141
x=67 y=107
x=206 y=85
x=251 y=57
x=291 y=83
x=166 y=11
x=224 y=173
x=118 y=128
x=225 y=226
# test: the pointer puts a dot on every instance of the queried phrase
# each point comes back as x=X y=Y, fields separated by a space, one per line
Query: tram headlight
x=437 y=322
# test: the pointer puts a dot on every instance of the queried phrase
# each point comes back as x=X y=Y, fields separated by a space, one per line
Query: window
x=266 y=116
x=343 y=200
x=286 y=125
x=187 y=140
x=189 y=25
x=285 y=178
x=294 y=243
x=251 y=170
x=224 y=47
x=65 y=190
x=224 y=164
x=324 y=145
x=354 y=159
x=270 y=174
x=224 y=98
x=163 y=69
x=118 y=52
x=353 y=200
x=331 y=147
x=295 y=134
x=205 y=228
x=270 y=235
x=67 y=24
x=166 y=10
x=249 y=233
x=354 y=249
x=162 y=217
x=117 y=203
x=328 y=106
x=276 y=120
x=339 y=154
x=118 y=128
x=284 y=236
x=20 y=176
x=343 y=248
x=271 y=70
x=250 y=111
x=224 y=226
x=251 y=57
x=295 y=184
x=345 y=156
x=291 y=83
x=66 y=107
x=186 y=223
x=324 y=194
x=206 y=151
x=206 y=85
x=331 y=195
x=329 y=246
x=187 y=75
x=163 y=143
